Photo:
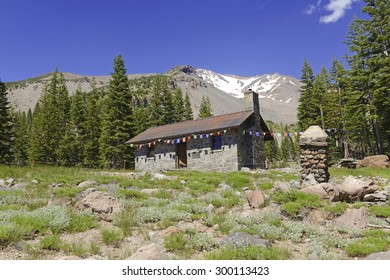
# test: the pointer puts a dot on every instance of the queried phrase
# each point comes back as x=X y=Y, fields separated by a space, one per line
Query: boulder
x=352 y=218
x=376 y=197
x=255 y=198
x=379 y=256
x=309 y=180
x=353 y=189
x=86 y=184
x=326 y=191
x=282 y=186
x=374 y=161
x=100 y=203
x=150 y=252
x=159 y=176
x=2 y=183
x=243 y=239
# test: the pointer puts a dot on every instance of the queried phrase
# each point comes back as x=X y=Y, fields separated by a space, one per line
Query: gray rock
x=209 y=208
x=159 y=176
x=150 y=252
x=20 y=186
x=34 y=182
x=255 y=198
x=2 y=183
x=326 y=191
x=353 y=189
x=224 y=187
x=309 y=180
x=245 y=169
x=352 y=218
x=376 y=197
x=102 y=204
x=379 y=256
x=9 y=181
x=243 y=239
x=86 y=184
x=282 y=186
x=85 y=193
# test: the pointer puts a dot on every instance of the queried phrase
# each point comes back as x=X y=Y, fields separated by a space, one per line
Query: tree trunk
x=378 y=138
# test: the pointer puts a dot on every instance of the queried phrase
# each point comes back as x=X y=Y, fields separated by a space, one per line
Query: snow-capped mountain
x=275 y=86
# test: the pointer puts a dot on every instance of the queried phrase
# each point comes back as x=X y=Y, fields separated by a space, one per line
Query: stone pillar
x=314 y=154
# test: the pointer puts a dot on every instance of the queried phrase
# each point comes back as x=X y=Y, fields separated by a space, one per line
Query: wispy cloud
x=310 y=9
x=337 y=9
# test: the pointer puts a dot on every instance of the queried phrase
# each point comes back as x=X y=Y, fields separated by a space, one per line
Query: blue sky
x=242 y=37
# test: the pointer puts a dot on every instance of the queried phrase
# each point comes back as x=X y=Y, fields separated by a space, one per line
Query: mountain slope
x=278 y=94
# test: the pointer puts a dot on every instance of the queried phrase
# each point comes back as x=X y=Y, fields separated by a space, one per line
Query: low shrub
x=112 y=236
x=337 y=208
x=380 y=211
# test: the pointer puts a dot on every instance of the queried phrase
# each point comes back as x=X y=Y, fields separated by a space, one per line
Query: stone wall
x=314 y=154
x=200 y=155
x=164 y=158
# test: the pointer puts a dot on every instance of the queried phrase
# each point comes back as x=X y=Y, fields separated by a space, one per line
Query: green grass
x=249 y=253
x=131 y=194
x=66 y=192
x=80 y=222
x=126 y=220
x=366 y=246
x=238 y=180
x=292 y=208
x=380 y=211
x=337 y=208
x=294 y=201
x=364 y=171
x=112 y=236
x=51 y=242
x=226 y=199
x=175 y=242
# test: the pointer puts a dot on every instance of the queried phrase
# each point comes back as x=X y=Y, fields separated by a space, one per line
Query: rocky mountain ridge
x=278 y=94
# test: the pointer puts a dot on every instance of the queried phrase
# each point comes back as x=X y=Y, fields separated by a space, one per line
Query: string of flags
x=219 y=133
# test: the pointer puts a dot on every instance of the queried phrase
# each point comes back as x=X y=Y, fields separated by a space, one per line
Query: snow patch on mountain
x=267 y=86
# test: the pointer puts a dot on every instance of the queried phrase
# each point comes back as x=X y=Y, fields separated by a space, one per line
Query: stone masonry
x=314 y=154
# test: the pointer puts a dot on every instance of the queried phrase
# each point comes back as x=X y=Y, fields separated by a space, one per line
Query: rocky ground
x=193 y=215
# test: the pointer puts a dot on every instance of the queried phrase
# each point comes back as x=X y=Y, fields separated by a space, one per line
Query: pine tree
x=167 y=104
x=21 y=136
x=305 y=106
x=205 y=108
x=92 y=126
x=369 y=41
x=49 y=122
x=188 y=113
x=178 y=104
x=117 y=120
x=6 y=136
x=156 y=108
x=71 y=149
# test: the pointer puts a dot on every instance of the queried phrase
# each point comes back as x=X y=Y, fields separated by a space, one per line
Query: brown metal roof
x=178 y=130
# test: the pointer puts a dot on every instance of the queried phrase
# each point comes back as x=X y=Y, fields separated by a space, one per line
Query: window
x=216 y=143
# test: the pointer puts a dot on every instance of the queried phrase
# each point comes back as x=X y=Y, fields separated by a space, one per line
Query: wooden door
x=181 y=155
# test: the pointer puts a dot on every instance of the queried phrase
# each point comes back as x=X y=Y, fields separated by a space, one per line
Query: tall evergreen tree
x=205 y=108
x=21 y=135
x=49 y=122
x=178 y=104
x=71 y=150
x=6 y=136
x=305 y=106
x=369 y=41
x=188 y=113
x=156 y=108
x=117 y=120
x=92 y=127
x=167 y=104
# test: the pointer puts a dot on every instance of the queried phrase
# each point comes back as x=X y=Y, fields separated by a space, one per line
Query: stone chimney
x=251 y=100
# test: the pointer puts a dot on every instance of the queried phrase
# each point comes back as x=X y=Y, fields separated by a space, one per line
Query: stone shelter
x=220 y=143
